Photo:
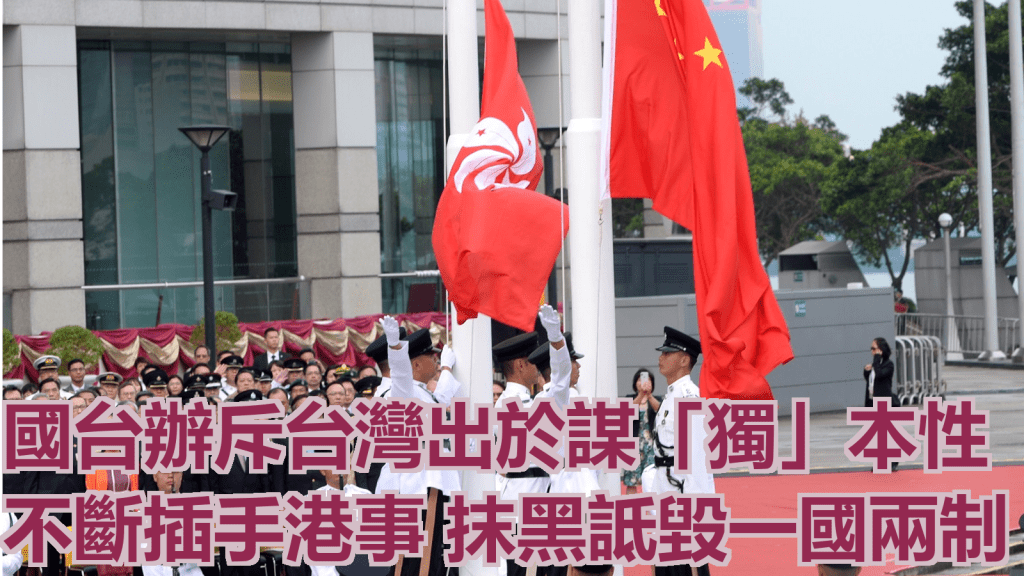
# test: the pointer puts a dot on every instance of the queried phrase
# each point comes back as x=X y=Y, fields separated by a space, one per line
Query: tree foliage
x=788 y=162
x=949 y=112
x=888 y=195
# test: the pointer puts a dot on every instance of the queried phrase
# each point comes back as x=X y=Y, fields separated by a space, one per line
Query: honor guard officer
x=378 y=350
x=678 y=356
x=413 y=363
x=512 y=358
x=47 y=367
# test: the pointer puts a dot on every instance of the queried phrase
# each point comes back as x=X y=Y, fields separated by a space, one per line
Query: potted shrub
x=12 y=354
x=228 y=333
x=72 y=342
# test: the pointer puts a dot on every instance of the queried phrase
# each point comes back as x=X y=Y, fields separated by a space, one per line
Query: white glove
x=391 y=330
x=448 y=357
x=551 y=322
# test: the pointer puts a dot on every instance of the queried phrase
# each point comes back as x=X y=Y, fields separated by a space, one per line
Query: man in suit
x=238 y=480
x=274 y=351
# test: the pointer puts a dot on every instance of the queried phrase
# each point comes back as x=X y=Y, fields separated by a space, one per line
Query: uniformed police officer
x=295 y=368
x=232 y=364
x=156 y=382
x=678 y=356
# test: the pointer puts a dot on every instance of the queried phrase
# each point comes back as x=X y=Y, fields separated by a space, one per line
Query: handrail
x=193 y=284
x=960 y=335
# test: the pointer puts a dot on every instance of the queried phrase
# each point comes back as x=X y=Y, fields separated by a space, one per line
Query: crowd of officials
x=540 y=364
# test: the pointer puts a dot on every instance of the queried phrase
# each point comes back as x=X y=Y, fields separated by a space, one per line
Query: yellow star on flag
x=657 y=6
x=710 y=54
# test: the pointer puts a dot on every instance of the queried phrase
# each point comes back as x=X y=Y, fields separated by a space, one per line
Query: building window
x=410 y=160
x=140 y=177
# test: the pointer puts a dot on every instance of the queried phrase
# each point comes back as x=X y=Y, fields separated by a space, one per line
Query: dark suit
x=44 y=482
x=238 y=481
x=283 y=481
x=884 y=370
x=261 y=362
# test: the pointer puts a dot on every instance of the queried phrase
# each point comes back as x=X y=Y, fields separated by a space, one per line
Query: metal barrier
x=918 y=375
x=959 y=334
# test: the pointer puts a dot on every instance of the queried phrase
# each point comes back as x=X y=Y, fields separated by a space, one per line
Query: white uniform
x=511 y=488
x=383 y=388
x=11 y=562
x=699 y=480
x=403 y=386
x=567 y=481
x=350 y=490
x=226 y=390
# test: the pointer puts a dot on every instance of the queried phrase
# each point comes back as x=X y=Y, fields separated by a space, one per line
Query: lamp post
x=205 y=137
x=952 y=338
x=548 y=137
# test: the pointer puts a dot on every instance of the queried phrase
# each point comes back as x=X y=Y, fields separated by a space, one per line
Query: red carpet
x=776 y=497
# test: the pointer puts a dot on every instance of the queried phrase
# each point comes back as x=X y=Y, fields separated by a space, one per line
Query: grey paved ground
x=1000 y=391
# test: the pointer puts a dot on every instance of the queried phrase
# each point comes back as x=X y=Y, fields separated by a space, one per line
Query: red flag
x=672 y=135
x=495 y=238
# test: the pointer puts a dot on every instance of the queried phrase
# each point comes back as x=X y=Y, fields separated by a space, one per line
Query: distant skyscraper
x=738 y=23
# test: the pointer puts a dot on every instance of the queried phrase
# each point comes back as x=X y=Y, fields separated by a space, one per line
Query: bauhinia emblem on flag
x=672 y=134
x=495 y=238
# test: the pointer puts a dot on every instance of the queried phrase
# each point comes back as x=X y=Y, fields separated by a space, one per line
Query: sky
x=850 y=59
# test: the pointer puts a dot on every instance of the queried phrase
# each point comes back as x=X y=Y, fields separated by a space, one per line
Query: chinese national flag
x=495 y=238
x=672 y=135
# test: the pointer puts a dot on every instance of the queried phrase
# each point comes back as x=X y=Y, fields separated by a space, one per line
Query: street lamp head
x=945 y=220
x=548 y=137
x=205 y=136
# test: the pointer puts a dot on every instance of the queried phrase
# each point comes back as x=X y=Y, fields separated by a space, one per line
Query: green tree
x=788 y=161
x=948 y=111
x=891 y=194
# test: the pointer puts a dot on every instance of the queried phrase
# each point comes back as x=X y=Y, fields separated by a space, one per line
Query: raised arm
x=447 y=386
x=561 y=364
x=398 y=358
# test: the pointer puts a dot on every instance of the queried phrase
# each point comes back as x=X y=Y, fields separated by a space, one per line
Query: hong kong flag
x=495 y=238
x=672 y=135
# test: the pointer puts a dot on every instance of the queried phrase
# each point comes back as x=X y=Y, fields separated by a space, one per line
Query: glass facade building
x=140 y=177
x=410 y=158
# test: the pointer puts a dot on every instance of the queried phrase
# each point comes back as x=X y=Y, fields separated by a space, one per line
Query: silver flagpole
x=988 y=255
x=1017 y=127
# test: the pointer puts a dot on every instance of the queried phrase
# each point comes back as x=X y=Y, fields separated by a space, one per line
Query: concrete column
x=336 y=171
x=44 y=262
